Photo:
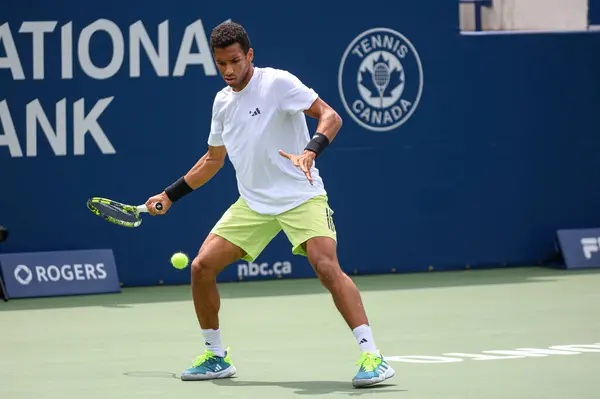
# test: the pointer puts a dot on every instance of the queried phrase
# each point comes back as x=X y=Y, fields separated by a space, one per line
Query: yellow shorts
x=252 y=231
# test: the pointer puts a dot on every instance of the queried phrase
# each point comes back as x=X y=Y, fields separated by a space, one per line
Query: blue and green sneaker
x=373 y=369
x=209 y=367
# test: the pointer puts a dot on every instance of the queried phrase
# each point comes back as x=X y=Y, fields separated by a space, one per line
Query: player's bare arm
x=206 y=167
x=328 y=127
x=330 y=122
x=204 y=170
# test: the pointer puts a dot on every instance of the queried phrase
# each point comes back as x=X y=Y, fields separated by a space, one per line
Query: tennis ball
x=179 y=260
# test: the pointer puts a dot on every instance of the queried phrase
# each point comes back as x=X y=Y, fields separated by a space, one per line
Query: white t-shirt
x=253 y=125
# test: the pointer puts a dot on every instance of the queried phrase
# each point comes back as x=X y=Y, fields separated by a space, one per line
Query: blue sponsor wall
x=594 y=12
x=493 y=144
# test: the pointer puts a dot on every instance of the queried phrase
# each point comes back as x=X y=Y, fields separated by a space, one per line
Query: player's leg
x=214 y=255
x=240 y=233
x=311 y=230
x=322 y=255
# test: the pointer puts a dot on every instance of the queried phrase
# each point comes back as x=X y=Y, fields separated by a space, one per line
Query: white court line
x=520 y=353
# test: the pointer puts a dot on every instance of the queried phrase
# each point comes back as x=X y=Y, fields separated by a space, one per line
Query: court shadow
x=312 y=387
x=151 y=374
x=299 y=387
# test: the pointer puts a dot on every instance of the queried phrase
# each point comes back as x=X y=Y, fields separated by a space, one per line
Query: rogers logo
x=23 y=274
x=52 y=274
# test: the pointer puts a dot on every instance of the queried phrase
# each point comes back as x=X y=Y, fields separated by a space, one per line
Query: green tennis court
x=450 y=335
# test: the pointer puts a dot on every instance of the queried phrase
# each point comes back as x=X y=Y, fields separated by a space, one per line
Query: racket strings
x=116 y=212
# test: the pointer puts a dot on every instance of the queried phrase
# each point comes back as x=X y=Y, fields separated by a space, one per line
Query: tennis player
x=259 y=120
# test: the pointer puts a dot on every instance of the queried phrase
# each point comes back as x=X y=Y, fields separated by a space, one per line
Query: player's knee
x=329 y=272
x=201 y=269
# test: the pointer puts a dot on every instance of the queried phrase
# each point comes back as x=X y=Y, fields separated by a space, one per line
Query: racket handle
x=144 y=208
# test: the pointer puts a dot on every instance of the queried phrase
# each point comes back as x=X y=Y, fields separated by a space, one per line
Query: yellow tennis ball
x=179 y=260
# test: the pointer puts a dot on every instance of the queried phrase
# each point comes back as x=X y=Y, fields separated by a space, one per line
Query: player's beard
x=241 y=81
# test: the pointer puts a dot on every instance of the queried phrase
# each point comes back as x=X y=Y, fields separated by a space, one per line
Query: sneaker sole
x=389 y=373
x=227 y=373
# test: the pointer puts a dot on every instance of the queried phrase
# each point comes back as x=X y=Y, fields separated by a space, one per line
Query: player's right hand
x=164 y=201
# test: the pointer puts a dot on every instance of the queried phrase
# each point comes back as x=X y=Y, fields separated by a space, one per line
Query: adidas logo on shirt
x=256 y=112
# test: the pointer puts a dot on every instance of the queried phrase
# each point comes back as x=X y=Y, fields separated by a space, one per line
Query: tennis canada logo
x=380 y=79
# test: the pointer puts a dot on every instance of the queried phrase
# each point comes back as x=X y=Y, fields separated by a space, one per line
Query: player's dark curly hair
x=229 y=33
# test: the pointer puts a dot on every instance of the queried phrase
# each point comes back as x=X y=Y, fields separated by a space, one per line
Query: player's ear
x=250 y=55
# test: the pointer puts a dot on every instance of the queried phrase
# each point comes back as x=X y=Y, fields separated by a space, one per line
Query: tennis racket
x=118 y=213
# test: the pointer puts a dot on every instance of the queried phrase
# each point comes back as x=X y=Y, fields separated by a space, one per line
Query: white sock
x=364 y=337
x=212 y=341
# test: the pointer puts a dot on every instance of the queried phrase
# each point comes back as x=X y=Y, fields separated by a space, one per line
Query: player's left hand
x=303 y=161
